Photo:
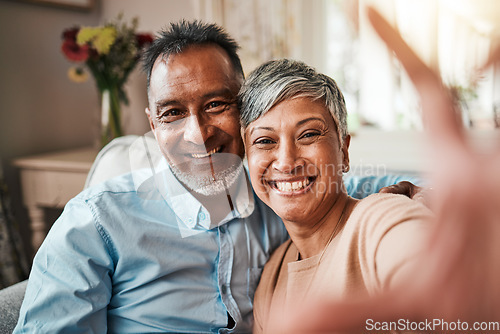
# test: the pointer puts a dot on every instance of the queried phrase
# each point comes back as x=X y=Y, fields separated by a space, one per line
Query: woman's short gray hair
x=279 y=80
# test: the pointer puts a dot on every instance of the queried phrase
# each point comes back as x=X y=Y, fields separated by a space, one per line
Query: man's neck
x=223 y=203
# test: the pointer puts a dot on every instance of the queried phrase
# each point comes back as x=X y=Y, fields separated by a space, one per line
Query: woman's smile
x=293 y=187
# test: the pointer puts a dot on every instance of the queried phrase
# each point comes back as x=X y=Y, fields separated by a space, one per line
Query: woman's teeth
x=204 y=155
x=292 y=186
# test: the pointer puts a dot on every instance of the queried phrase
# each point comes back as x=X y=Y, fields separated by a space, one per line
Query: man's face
x=194 y=116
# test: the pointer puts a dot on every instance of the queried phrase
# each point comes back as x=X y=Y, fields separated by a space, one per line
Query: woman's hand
x=458 y=276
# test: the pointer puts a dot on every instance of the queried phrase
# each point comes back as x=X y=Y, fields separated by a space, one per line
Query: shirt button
x=222 y=229
x=202 y=216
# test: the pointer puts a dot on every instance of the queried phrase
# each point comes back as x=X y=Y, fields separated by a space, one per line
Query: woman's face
x=295 y=159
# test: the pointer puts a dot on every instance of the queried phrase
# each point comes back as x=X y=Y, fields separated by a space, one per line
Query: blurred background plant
x=110 y=52
x=463 y=97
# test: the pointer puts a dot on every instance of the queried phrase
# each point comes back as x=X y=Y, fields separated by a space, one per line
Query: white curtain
x=265 y=29
x=452 y=36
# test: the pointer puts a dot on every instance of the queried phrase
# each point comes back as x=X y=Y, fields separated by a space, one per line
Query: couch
x=120 y=156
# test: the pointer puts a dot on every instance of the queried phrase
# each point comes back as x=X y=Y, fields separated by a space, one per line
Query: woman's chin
x=292 y=217
x=293 y=213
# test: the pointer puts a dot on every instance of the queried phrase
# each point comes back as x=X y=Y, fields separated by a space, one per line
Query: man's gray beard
x=205 y=184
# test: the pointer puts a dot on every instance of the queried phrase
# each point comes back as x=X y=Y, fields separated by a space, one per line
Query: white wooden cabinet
x=50 y=181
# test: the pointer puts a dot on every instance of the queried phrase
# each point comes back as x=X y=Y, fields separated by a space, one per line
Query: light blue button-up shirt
x=129 y=257
x=140 y=254
x=361 y=186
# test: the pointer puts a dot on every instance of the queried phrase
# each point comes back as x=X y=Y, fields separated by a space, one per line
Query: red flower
x=75 y=52
x=70 y=34
x=143 y=39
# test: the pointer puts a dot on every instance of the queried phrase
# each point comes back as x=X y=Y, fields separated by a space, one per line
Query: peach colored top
x=381 y=237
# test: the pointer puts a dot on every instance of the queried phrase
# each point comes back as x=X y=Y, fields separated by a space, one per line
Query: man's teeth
x=204 y=155
x=292 y=186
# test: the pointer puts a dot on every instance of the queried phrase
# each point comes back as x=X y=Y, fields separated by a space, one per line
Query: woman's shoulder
x=389 y=231
x=393 y=204
x=376 y=214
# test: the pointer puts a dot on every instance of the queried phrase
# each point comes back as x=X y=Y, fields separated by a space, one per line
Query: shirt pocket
x=253 y=278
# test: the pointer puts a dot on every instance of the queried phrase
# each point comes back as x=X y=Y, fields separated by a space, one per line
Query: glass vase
x=110 y=115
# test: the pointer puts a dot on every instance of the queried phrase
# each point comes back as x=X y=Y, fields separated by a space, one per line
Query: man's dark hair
x=184 y=33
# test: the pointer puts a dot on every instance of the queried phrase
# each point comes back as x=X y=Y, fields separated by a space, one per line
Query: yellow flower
x=77 y=74
x=100 y=38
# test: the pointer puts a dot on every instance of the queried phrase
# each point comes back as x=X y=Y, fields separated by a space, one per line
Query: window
x=452 y=36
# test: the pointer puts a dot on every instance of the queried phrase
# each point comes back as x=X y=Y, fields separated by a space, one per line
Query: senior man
x=184 y=255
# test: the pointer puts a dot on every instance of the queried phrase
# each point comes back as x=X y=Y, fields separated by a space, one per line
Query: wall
x=40 y=109
x=153 y=15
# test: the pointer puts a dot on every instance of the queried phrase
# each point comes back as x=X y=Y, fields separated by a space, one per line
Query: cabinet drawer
x=51 y=188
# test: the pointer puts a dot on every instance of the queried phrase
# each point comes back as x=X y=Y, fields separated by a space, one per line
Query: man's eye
x=171 y=115
x=216 y=106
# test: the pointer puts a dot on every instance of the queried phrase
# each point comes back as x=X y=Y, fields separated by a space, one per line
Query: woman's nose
x=287 y=159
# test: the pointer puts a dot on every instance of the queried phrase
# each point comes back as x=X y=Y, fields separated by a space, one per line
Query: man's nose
x=196 y=131
x=288 y=158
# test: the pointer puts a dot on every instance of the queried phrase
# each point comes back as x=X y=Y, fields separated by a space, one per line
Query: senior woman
x=295 y=133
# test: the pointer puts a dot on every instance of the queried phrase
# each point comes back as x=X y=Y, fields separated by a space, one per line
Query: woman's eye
x=311 y=134
x=263 y=141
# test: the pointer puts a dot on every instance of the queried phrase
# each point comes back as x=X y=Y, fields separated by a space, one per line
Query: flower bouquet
x=110 y=52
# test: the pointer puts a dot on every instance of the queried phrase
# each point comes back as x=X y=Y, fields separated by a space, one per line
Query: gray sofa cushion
x=11 y=299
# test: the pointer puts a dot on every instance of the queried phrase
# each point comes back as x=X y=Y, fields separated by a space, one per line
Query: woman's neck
x=312 y=237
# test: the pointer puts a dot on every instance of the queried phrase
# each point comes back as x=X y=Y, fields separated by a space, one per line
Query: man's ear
x=345 y=152
x=150 y=119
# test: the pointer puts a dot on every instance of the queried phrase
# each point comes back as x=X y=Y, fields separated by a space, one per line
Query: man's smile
x=207 y=154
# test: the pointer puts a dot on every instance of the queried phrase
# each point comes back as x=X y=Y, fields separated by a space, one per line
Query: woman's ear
x=242 y=132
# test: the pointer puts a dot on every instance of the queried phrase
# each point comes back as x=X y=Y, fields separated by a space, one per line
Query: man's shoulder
x=361 y=186
x=137 y=183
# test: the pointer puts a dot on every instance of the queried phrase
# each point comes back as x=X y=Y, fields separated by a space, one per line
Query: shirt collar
x=190 y=212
